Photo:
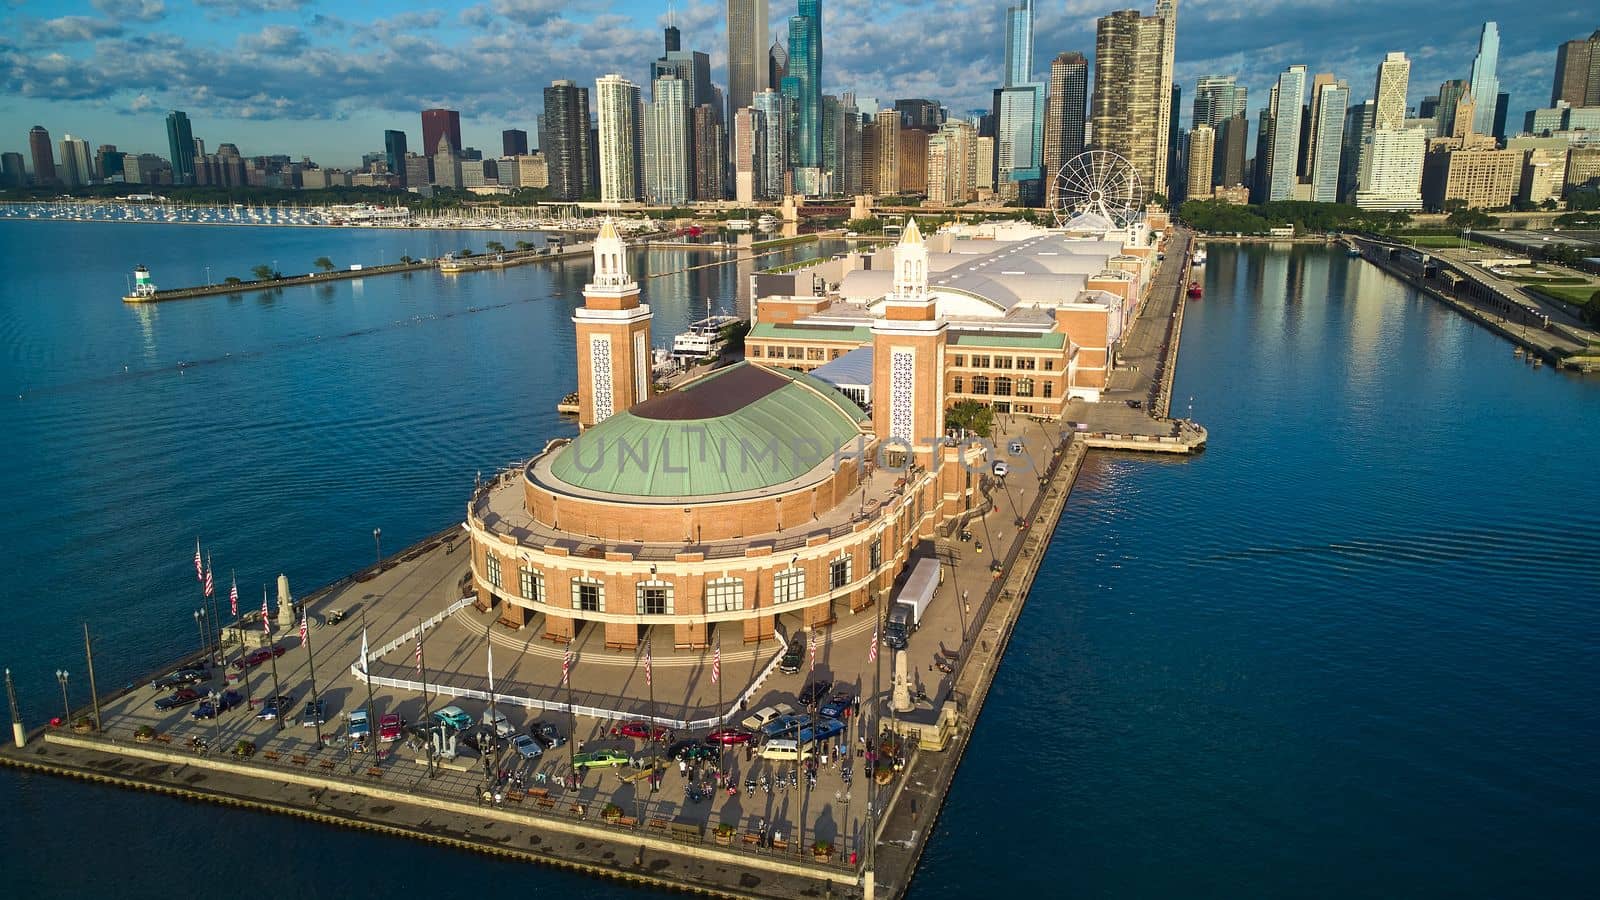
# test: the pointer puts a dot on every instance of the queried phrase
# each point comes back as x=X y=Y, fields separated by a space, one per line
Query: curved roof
x=742 y=428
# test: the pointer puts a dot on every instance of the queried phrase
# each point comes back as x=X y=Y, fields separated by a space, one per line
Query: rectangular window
x=815 y=353
x=875 y=554
x=588 y=595
x=788 y=585
x=958 y=387
x=1048 y=389
x=1049 y=365
x=980 y=362
x=532 y=586
x=725 y=595
x=491 y=569
x=1026 y=362
x=795 y=352
x=1002 y=362
x=654 y=598
x=839 y=573
x=960 y=360
x=1024 y=387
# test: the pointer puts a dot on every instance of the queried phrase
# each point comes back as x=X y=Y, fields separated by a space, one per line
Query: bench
x=374 y=772
x=751 y=838
x=164 y=738
x=514 y=796
x=299 y=759
x=779 y=845
x=271 y=754
x=541 y=793
x=625 y=822
x=546 y=803
x=326 y=764
x=658 y=824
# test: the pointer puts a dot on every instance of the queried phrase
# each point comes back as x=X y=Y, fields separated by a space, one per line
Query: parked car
x=1000 y=468
x=180 y=677
x=499 y=723
x=526 y=747
x=315 y=713
x=210 y=709
x=814 y=691
x=793 y=656
x=758 y=719
x=643 y=731
x=1014 y=448
x=455 y=717
x=691 y=751
x=727 y=736
x=547 y=734
x=182 y=697
x=824 y=729
x=838 y=706
x=785 y=724
x=391 y=727
x=273 y=707
x=360 y=724
x=599 y=759
x=257 y=657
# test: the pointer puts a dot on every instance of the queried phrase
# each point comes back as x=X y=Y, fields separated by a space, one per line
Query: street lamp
x=200 y=626
x=208 y=276
x=66 y=708
x=377 y=542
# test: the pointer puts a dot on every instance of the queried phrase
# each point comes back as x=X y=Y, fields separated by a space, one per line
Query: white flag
x=363 y=652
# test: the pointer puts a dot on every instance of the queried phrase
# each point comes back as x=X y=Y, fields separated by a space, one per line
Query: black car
x=691 y=751
x=547 y=735
x=273 y=707
x=186 y=675
x=183 y=697
x=211 y=708
x=814 y=691
x=792 y=657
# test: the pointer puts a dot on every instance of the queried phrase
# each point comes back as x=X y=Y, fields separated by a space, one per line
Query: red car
x=257 y=657
x=637 y=729
x=729 y=736
x=390 y=726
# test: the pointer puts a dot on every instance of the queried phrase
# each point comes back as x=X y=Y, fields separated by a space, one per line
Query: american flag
x=266 y=622
x=716 y=665
x=302 y=628
x=199 y=568
x=210 y=585
x=566 y=664
x=813 y=651
x=872 y=649
x=419 y=651
x=233 y=598
x=647 y=680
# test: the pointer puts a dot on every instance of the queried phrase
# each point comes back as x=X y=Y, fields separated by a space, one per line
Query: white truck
x=905 y=616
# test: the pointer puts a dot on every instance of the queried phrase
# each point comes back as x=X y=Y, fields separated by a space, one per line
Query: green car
x=596 y=759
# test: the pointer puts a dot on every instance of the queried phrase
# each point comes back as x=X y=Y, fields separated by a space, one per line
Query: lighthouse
x=143 y=289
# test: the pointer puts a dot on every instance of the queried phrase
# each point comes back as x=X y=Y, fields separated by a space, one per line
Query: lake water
x=1350 y=650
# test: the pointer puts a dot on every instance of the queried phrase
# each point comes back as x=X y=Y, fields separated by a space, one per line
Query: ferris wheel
x=1098 y=182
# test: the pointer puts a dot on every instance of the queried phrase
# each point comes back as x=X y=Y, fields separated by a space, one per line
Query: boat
x=1195 y=290
x=706 y=337
x=767 y=223
x=739 y=224
x=1200 y=257
x=1352 y=251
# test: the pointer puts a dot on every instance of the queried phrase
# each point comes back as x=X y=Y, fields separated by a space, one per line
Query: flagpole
x=572 y=717
x=214 y=630
x=366 y=672
x=427 y=711
x=272 y=646
x=94 y=693
x=650 y=683
x=311 y=669
x=238 y=632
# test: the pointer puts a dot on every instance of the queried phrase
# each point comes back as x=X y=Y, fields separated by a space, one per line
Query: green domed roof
x=742 y=428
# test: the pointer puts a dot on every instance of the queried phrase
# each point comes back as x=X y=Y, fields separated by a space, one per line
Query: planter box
x=723 y=839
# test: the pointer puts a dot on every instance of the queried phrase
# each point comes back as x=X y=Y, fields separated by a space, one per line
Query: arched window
x=980 y=384
x=1002 y=386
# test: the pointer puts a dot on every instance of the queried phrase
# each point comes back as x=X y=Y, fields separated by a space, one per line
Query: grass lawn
x=1578 y=294
x=1430 y=240
x=1546 y=279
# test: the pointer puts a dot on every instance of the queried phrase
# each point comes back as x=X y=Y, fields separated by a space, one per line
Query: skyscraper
x=1394 y=80
x=888 y=132
x=77 y=168
x=747 y=51
x=1485 y=85
x=667 y=151
x=446 y=164
x=773 y=145
x=777 y=65
x=1289 y=96
x=805 y=65
x=565 y=139
x=13 y=171
x=394 y=154
x=1228 y=152
x=513 y=142
x=1578 y=72
x=693 y=66
x=617 y=107
x=709 y=141
x=1202 y=142
x=1450 y=94
x=1125 y=116
x=1065 y=110
x=1019 y=111
x=749 y=138
x=1167 y=12
x=437 y=123
x=44 y=156
x=1217 y=98
x=180 y=141
x=1327 y=139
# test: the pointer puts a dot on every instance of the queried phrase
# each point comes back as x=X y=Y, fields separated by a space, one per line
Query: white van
x=785 y=749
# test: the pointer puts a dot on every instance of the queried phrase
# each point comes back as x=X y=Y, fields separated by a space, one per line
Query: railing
x=433 y=620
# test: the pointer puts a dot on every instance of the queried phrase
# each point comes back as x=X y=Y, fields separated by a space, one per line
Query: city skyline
x=73 y=68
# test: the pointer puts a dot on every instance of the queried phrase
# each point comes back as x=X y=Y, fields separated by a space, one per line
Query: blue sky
x=325 y=79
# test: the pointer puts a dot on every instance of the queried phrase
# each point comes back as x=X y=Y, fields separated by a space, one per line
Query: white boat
x=739 y=224
x=705 y=338
x=1200 y=256
x=767 y=223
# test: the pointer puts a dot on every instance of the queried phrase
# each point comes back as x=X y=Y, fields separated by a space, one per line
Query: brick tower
x=613 y=335
x=908 y=345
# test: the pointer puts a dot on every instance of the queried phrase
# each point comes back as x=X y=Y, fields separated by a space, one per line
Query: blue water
x=1348 y=651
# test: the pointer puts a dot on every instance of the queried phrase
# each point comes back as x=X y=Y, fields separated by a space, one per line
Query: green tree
x=496 y=247
x=324 y=263
x=971 y=416
x=1463 y=219
x=406 y=260
x=231 y=279
x=262 y=273
x=524 y=245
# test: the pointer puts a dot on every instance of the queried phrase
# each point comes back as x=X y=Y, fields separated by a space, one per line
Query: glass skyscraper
x=805 y=66
x=180 y=140
x=1485 y=85
x=1019 y=111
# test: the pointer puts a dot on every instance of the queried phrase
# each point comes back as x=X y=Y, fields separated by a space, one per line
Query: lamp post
x=208 y=276
x=377 y=543
x=66 y=708
x=200 y=626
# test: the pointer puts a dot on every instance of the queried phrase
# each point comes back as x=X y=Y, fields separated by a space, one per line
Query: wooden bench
x=546 y=803
x=326 y=764
x=164 y=738
x=658 y=824
x=271 y=754
x=514 y=796
x=541 y=793
x=779 y=845
x=374 y=772
x=751 y=838
x=625 y=822
x=299 y=759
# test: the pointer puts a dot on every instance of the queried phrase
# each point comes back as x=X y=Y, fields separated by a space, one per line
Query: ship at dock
x=705 y=338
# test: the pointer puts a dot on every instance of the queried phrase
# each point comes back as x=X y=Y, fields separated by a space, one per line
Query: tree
x=231 y=279
x=1463 y=219
x=262 y=273
x=406 y=260
x=524 y=245
x=324 y=263
x=971 y=416
x=466 y=251
x=496 y=247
